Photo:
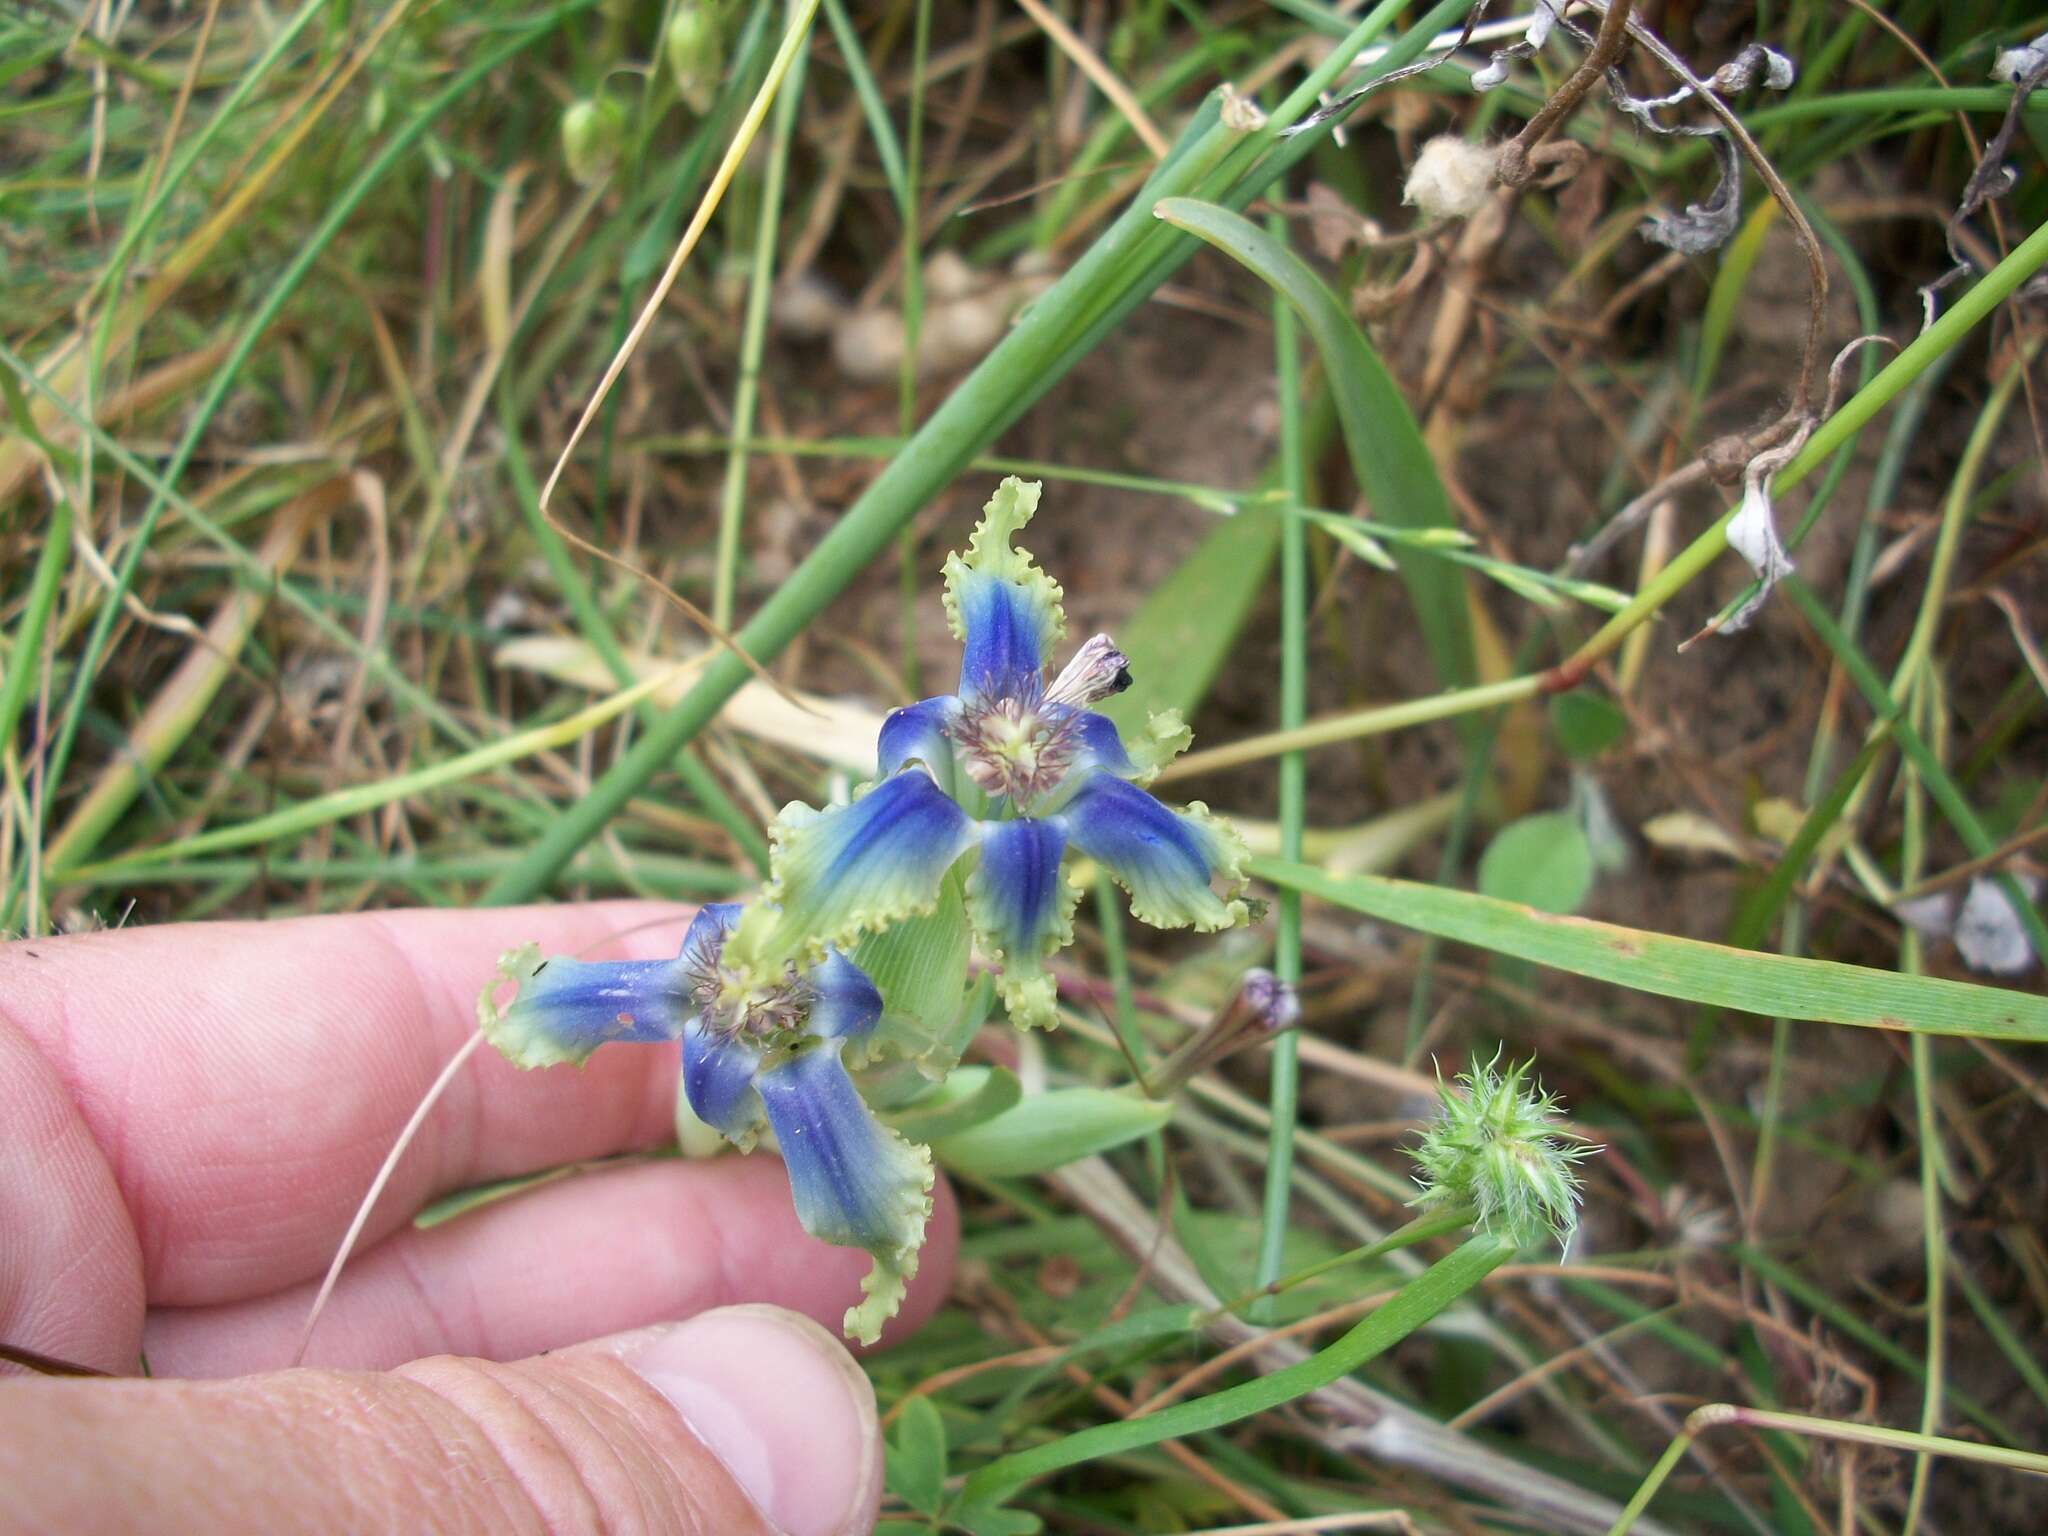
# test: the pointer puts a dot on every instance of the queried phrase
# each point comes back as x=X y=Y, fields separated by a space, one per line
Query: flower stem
x=1284 y=1062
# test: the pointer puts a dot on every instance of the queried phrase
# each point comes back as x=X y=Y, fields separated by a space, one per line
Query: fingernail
x=782 y=1406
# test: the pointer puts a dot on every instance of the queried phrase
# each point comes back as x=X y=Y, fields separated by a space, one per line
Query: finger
x=593 y=1254
x=70 y=1271
x=245 y=1080
x=741 y=1422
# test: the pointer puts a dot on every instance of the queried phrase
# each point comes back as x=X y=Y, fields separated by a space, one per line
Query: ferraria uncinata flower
x=752 y=1058
x=1000 y=779
x=1007 y=775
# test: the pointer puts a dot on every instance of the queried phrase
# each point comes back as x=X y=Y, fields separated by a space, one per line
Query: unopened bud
x=1262 y=1006
x=592 y=131
x=1274 y=1003
x=695 y=45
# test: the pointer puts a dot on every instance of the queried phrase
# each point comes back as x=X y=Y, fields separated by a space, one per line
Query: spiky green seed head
x=1495 y=1144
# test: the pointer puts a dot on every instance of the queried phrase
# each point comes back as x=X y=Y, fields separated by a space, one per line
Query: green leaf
x=1775 y=986
x=914 y=1458
x=919 y=965
x=1050 y=1129
x=1585 y=723
x=969 y=1096
x=998 y=1522
x=1182 y=633
x=1544 y=861
x=1388 y=455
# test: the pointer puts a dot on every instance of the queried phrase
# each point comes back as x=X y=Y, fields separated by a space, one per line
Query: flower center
x=1015 y=747
x=727 y=1006
x=1020 y=740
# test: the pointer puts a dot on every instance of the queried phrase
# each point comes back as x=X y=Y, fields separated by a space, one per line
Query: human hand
x=188 y=1118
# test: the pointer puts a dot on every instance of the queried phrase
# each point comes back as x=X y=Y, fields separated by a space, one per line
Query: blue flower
x=753 y=1056
x=1006 y=775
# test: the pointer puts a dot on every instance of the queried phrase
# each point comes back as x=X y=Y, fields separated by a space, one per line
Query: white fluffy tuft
x=1451 y=178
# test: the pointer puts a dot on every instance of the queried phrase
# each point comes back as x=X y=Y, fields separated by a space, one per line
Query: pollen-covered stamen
x=1097 y=671
x=1017 y=747
x=725 y=1005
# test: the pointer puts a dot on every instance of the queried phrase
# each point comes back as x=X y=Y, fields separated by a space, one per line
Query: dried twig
x=1515 y=167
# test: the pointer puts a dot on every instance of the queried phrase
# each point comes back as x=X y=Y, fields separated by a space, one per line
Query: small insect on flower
x=1497 y=1147
x=1007 y=775
x=752 y=1058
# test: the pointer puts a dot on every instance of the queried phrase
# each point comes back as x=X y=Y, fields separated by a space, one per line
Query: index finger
x=245 y=1080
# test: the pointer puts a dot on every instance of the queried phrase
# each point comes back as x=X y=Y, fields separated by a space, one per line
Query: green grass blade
x=400 y=144
x=323 y=810
x=1113 y=276
x=1415 y=1304
x=1782 y=985
x=1388 y=455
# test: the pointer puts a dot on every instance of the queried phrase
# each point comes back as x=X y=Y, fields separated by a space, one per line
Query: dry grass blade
x=1090 y=64
x=183 y=699
x=742 y=140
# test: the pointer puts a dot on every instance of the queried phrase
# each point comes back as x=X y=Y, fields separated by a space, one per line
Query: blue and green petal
x=1183 y=869
x=1022 y=908
x=565 y=1009
x=856 y=1182
x=917 y=733
x=718 y=1083
x=849 y=871
x=1003 y=609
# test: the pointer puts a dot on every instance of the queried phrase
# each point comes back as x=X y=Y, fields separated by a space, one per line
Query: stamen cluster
x=730 y=1009
x=1019 y=741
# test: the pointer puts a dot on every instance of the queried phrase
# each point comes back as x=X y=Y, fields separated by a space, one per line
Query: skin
x=189 y=1116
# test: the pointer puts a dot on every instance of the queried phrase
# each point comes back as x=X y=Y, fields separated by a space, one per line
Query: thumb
x=740 y=1422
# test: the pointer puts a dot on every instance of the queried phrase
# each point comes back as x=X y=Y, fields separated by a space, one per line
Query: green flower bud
x=695 y=45
x=592 y=131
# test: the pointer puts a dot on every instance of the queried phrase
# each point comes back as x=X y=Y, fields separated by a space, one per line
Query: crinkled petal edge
x=522 y=1047
x=888 y=1278
x=990 y=553
x=1029 y=991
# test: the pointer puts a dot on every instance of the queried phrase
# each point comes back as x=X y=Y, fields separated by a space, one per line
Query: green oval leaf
x=1542 y=861
x=1585 y=723
x=970 y=1096
x=914 y=1457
